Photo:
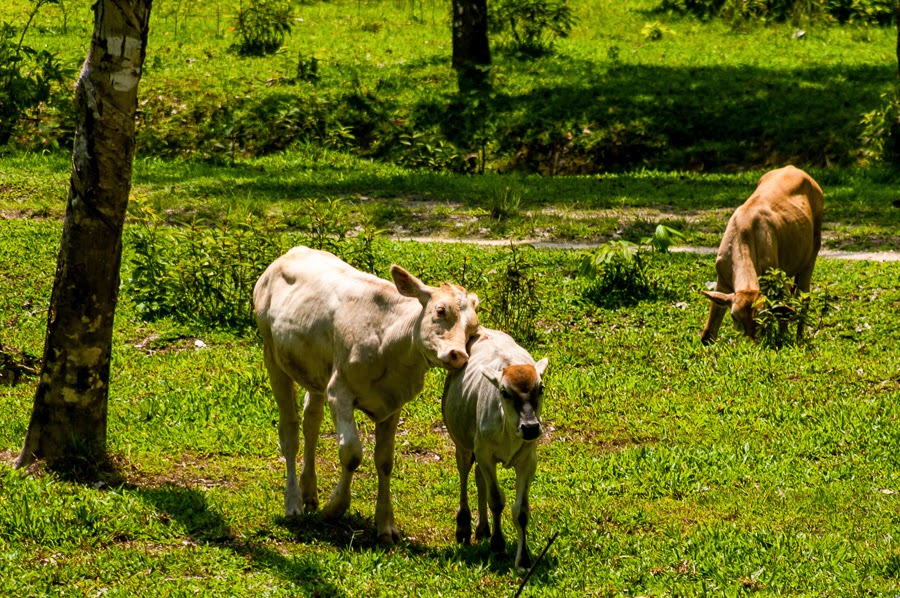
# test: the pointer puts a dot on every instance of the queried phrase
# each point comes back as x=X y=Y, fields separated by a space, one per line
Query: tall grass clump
x=511 y=296
x=262 y=26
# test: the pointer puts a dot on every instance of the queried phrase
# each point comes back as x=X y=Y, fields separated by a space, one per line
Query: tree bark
x=68 y=420
x=471 y=51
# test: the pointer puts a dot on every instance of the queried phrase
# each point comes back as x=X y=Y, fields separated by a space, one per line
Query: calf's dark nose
x=530 y=431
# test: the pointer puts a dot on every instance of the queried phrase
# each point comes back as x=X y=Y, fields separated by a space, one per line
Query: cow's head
x=447 y=320
x=522 y=394
x=743 y=305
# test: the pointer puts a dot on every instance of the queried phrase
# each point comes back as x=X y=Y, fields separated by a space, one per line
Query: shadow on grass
x=189 y=507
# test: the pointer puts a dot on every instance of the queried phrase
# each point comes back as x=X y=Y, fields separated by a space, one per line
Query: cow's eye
x=441 y=311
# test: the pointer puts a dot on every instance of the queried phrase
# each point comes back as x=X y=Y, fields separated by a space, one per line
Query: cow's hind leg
x=385 y=432
x=464 y=461
x=495 y=501
x=521 y=510
x=288 y=430
x=313 y=413
x=340 y=402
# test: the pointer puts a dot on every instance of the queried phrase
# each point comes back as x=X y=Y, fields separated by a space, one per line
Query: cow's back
x=311 y=307
x=778 y=226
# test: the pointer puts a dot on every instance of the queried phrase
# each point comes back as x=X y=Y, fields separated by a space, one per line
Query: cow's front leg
x=713 y=322
x=385 y=432
x=521 y=510
x=488 y=469
x=464 y=461
x=340 y=402
x=288 y=430
x=484 y=527
x=313 y=412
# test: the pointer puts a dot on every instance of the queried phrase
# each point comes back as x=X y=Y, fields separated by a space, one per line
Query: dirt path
x=874 y=256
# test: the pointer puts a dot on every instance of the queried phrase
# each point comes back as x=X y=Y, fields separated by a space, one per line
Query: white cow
x=779 y=226
x=492 y=409
x=362 y=343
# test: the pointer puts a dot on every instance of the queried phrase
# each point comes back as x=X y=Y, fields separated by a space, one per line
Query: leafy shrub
x=262 y=26
x=511 y=299
x=27 y=76
x=530 y=26
x=203 y=273
x=781 y=306
x=865 y=11
x=880 y=136
x=618 y=274
x=199 y=273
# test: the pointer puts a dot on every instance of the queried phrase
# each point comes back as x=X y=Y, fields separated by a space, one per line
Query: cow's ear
x=473 y=299
x=410 y=286
x=493 y=376
x=723 y=299
x=541 y=366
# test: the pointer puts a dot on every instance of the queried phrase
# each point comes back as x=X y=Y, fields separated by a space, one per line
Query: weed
x=782 y=305
x=662 y=238
x=506 y=202
x=262 y=26
x=618 y=275
x=530 y=27
x=512 y=299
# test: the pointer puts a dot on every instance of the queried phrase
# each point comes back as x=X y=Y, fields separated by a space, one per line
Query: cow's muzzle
x=530 y=430
x=454 y=359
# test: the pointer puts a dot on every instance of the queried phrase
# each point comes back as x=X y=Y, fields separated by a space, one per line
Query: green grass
x=707 y=96
x=668 y=468
x=409 y=202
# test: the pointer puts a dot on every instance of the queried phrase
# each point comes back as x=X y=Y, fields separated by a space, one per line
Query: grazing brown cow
x=362 y=343
x=779 y=226
x=492 y=411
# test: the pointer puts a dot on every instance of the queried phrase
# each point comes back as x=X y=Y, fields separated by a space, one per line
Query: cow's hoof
x=464 y=538
x=389 y=537
x=482 y=532
x=335 y=508
x=310 y=506
x=498 y=544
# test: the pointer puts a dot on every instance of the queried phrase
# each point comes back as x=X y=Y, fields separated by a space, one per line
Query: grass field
x=667 y=468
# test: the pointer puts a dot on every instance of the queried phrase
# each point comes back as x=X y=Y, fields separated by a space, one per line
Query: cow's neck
x=743 y=256
x=400 y=343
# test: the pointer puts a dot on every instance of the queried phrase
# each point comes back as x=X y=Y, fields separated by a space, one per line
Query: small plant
x=262 y=26
x=781 y=306
x=655 y=31
x=618 y=275
x=662 y=238
x=880 y=137
x=307 y=68
x=530 y=26
x=506 y=202
x=511 y=297
x=27 y=75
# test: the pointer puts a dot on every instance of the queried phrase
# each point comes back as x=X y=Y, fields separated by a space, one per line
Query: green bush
x=27 y=76
x=880 y=136
x=530 y=27
x=262 y=26
x=511 y=297
x=781 y=306
x=618 y=274
x=843 y=11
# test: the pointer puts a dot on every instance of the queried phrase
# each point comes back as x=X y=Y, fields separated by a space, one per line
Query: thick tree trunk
x=471 y=51
x=68 y=421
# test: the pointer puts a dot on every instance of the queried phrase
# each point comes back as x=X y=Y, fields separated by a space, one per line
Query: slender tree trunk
x=68 y=421
x=897 y=23
x=471 y=51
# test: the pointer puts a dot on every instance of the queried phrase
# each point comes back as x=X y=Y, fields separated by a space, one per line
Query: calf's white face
x=447 y=320
x=522 y=394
